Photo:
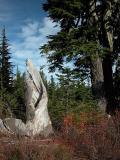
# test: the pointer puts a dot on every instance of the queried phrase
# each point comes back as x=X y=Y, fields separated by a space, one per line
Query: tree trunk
x=108 y=83
x=38 y=120
x=97 y=80
x=97 y=77
x=107 y=35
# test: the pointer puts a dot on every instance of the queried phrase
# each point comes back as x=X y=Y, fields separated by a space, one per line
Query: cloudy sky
x=27 y=26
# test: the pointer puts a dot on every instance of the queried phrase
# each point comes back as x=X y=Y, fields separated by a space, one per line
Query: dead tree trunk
x=38 y=120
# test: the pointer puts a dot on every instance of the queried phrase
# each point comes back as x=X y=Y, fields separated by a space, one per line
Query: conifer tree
x=19 y=109
x=89 y=38
x=6 y=67
x=77 y=41
x=67 y=96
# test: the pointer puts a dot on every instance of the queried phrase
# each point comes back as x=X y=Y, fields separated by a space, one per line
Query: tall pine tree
x=6 y=67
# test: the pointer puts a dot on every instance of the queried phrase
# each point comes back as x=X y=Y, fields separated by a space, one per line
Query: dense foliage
x=68 y=96
x=89 y=39
x=11 y=87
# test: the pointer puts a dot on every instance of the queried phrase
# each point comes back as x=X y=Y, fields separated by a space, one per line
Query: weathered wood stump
x=36 y=99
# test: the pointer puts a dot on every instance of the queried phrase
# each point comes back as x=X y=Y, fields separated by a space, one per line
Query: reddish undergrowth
x=92 y=137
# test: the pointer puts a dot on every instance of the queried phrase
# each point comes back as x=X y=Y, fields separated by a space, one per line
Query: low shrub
x=93 y=136
x=32 y=149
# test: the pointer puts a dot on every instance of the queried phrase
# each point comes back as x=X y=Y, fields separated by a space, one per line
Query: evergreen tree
x=7 y=99
x=53 y=107
x=6 y=67
x=77 y=41
x=68 y=96
x=20 y=109
x=43 y=76
x=52 y=88
x=86 y=39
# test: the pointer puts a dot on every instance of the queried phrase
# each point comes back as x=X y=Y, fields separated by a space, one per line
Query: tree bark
x=97 y=77
x=107 y=35
x=97 y=80
x=108 y=83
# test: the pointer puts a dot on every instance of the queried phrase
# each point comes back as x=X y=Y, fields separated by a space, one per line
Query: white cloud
x=49 y=28
x=32 y=36
x=30 y=29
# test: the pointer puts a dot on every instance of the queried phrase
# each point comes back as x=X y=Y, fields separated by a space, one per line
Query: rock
x=38 y=120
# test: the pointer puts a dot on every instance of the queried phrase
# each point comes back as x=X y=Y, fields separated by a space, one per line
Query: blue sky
x=27 y=26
